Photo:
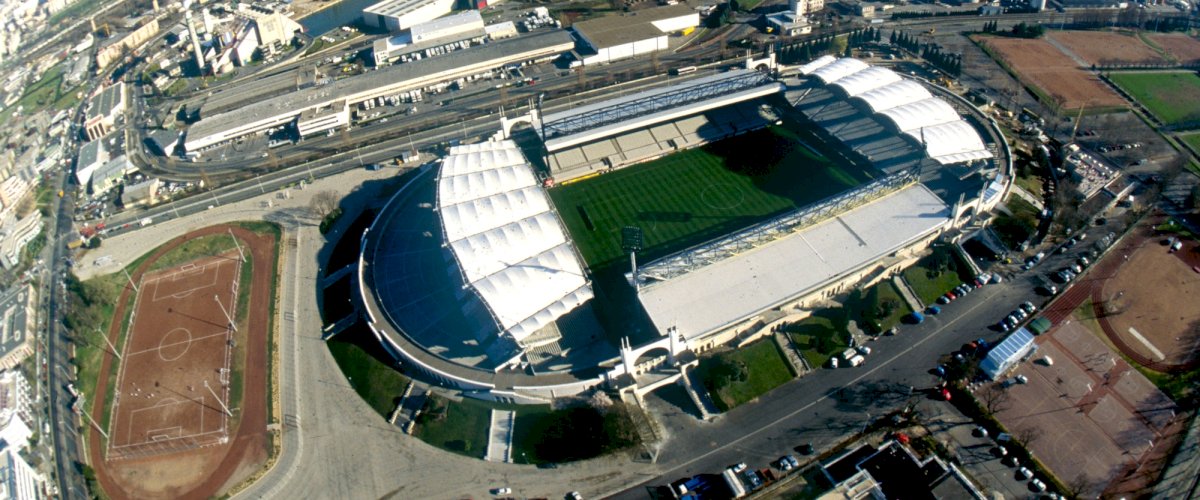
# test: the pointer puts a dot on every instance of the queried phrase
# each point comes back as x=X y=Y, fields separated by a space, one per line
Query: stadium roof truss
x=642 y=104
x=760 y=234
x=506 y=239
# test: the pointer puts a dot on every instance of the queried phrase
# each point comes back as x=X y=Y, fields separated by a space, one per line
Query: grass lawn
x=1030 y=183
x=457 y=426
x=368 y=368
x=700 y=194
x=765 y=369
x=204 y=246
x=38 y=95
x=819 y=336
x=934 y=275
x=1192 y=140
x=884 y=292
x=527 y=433
x=1018 y=227
x=1173 y=97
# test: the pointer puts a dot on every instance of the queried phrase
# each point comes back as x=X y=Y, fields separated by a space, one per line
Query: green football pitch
x=1173 y=97
x=700 y=194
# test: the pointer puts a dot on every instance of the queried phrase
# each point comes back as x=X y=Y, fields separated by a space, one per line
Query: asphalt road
x=60 y=372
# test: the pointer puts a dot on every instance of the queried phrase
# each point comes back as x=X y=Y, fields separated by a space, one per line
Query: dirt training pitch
x=174 y=380
x=1185 y=49
x=179 y=340
x=1107 y=48
x=1039 y=64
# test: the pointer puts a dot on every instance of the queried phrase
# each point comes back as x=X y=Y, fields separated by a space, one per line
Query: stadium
x=609 y=244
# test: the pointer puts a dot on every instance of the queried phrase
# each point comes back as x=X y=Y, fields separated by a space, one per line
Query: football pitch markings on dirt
x=1173 y=97
x=700 y=194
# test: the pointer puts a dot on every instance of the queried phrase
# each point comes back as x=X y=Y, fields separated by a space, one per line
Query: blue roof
x=1007 y=352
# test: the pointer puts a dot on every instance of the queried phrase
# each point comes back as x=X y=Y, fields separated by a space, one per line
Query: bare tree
x=994 y=398
x=1028 y=435
x=324 y=202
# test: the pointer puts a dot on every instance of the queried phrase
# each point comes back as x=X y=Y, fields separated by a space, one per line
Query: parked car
x=933 y=310
x=1028 y=307
x=738 y=467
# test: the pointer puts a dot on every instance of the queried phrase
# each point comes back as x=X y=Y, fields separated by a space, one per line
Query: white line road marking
x=1137 y=335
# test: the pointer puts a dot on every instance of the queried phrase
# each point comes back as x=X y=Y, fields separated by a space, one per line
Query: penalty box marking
x=188 y=273
x=155 y=435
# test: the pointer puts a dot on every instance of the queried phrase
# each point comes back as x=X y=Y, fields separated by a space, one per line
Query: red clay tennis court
x=173 y=386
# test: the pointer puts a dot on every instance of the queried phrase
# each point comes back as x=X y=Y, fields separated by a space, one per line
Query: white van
x=856 y=360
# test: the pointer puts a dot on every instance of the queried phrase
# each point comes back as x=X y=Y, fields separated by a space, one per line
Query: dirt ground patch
x=1089 y=416
x=206 y=471
x=1107 y=48
x=1041 y=65
x=1142 y=303
x=1185 y=49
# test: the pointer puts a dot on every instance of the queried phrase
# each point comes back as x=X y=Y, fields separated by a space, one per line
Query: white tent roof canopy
x=924 y=113
x=508 y=242
x=816 y=64
x=894 y=94
x=839 y=69
x=867 y=79
x=952 y=142
x=915 y=111
x=484 y=183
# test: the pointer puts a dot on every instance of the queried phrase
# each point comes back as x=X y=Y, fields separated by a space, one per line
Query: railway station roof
x=839 y=69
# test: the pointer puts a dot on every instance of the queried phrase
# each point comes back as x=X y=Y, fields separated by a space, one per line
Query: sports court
x=1096 y=418
x=173 y=386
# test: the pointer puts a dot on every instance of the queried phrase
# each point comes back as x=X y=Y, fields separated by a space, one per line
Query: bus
x=684 y=70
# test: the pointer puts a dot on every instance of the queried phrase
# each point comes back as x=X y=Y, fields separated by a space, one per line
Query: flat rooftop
x=395 y=8
x=735 y=289
x=106 y=102
x=14 y=318
x=629 y=27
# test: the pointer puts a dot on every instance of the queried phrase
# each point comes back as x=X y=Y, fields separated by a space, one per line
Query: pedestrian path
x=905 y=291
x=500 y=434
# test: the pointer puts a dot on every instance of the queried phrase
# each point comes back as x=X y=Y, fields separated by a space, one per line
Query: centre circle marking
x=174 y=344
x=723 y=196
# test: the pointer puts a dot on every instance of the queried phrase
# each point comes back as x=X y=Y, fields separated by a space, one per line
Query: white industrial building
x=507 y=240
x=103 y=111
x=452 y=32
x=399 y=15
x=612 y=38
x=318 y=120
x=454 y=24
